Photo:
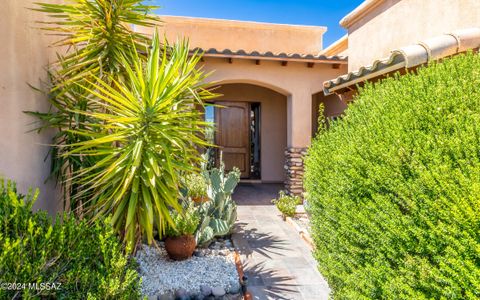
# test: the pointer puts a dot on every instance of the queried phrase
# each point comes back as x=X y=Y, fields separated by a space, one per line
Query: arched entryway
x=252 y=130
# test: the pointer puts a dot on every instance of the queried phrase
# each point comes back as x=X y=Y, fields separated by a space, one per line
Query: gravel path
x=161 y=275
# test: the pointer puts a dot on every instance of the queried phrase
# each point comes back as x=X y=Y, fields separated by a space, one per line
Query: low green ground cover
x=65 y=259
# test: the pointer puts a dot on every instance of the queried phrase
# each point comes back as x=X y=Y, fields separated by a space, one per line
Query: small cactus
x=218 y=215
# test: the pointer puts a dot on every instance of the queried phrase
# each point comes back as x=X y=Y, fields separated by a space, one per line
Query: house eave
x=408 y=57
x=269 y=56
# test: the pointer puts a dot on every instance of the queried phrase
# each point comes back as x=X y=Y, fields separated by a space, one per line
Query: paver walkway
x=278 y=263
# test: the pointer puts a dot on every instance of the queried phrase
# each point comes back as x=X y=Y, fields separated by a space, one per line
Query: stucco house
x=269 y=77
x=272 y=78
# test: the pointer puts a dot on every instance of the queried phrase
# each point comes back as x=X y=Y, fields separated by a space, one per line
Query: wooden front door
x=233 y=135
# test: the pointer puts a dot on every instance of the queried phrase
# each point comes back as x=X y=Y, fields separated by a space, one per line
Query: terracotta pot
x=200 y=199
x=181 y=247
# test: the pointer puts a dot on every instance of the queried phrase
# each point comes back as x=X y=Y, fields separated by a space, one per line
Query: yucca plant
x=147 y=133
x=95 y=36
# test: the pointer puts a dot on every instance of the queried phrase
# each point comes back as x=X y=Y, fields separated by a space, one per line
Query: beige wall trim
x=336 y=47
x=240 y=24
x=359 y=12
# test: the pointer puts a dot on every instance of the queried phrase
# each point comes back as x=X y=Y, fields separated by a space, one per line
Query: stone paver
x=277 y=262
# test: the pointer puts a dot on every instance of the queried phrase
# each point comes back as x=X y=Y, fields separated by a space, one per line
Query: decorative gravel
x=213 y=268
x=302 y=221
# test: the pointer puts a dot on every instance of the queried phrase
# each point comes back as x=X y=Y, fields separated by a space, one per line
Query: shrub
x=185 y=223
x=394 y=188
x=286 y=204
x=87 y=261
x=195 y=185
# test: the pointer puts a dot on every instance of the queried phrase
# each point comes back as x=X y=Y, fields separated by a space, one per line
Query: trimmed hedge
x=83 y=261
x=394 y=188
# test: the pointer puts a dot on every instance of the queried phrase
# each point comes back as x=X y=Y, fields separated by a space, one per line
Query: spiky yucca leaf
x=94 y=36
x=147 y=132
x=98 y=32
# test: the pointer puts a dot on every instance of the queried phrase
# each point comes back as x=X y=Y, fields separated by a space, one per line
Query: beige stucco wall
x=23 y=56
x=295 y=81
x=333 y=106
x=240 y=35
x=273 y=122
x=397 y=23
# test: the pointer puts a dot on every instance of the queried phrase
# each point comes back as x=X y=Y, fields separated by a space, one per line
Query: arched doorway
x=251 y=130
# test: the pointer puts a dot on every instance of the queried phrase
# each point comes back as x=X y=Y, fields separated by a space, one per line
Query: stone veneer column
x=294 y=170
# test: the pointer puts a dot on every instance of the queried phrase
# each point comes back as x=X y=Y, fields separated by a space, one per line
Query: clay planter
x=200 y=199
x=181 y=247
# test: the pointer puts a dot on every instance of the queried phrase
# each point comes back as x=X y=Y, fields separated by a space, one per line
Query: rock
x=181 y=294
x=300 y=209
x=198 y=297
x=154 y=297
x=218 y=291
x=237 y=296
x=205 y=290
x=167 y=296
x=198 y=253
x=234 y=287
x=160 y=275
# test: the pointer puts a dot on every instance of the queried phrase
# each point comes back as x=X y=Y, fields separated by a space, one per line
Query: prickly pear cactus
x=219 y=214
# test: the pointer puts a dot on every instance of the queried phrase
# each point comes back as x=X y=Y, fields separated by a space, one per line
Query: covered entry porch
x=251 y=130
x=268 y=75
x=269 y=113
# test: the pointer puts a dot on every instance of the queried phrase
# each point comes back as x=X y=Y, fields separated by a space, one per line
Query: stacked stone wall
x=294 y=169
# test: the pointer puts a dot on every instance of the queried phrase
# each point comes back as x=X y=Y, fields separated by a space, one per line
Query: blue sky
x=302 y=12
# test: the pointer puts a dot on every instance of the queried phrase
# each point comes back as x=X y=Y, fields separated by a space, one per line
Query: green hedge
x=394 y=188
x=87 y=260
